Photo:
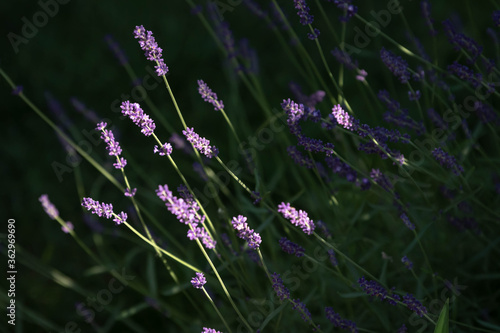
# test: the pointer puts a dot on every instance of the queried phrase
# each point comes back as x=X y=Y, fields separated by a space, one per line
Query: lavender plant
x=343 y=143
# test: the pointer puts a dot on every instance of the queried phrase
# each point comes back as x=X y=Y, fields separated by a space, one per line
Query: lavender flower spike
x=112 y=146
x=101 y=209
x=209 y=96
x=137 y=115
x=198 y=281
x=244 y=232
x=447 y=161
x=344 y=119
x=49 y=208
x=396 y=65
x=151 y=49
x=297 y=218
x=209 y=330
x=201 y=144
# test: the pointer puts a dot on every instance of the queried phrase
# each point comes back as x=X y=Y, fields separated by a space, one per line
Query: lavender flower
x=413 y=304
x=339 y=322
x=201 y=144
x=103 y=209
x=244 y=232
x=332 y=257
x=299 y=219
x=344 y=119
x=137 y=115
x=447 y=161
x=495 y=16
x=116 y=49
x=349 y=9
x=465 y=73
x=301 y=308
x=291 y=248
x=378 y=177
x=130 y=192
x=414 y=95
x=436 y=119
x=344 y=58
x=281 y=291
x=186 y=211
x=407 y=222
x=198 y=281
x=362 y=74
x=323 y=229
x=294 y=111
x=68 y=228
x=209 y=96
x=151 y=49
x=407 y=262
x=49 y=208
x=372 y=288
x=303 y=12
x=17 y=90
x=460 y=41
x=299 y=158
x=402 y=329
x=341 y=168
x=226 y=36
x=112 y=146
x=165 y=150
x=396 y=65
x=425 y=7
x=87 y=113
x=209 y=330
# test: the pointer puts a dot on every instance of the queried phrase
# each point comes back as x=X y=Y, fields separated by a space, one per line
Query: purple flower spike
x=244 y=232
x=165 y=150
x=303 y=12
x=297 y=218
x=130 y=192
x=350 y=10
x=137 y=115
x=407 y=262
x=291 y=248
x=407 y=222
x=281 y=291
x=103 y=209
x=201 y=144
x=69 y=227
x=49 y=208
x=396 y=65
x=209 y=330
x=112 y=146
x=344 y=119
x=209 y=96
x=339 y=322
x=447 y=161
x=151 y=49
x=198 y=281
x=413 y=304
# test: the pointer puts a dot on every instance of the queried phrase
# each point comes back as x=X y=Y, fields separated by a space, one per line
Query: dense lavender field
x=251 y=166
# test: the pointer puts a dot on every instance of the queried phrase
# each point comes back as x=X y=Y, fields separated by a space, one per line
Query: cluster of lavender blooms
x=244 y=232
x=209 y=96
x=339 y=322
x=104 y=210
x=374 y=289
x=53 y=213
x=200 y=143
x=186 y=211
x=297 y=218
x=284 y=294
x=306 y=18
x=151 y=49
x=291 y=248
x=199 y=280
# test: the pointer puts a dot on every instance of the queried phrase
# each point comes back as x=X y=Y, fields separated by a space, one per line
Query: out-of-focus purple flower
x=151 y=49
x=200 y=143
x=461 y=41
x=465 y=73
x=396 y=65
x=17 y=90
x=244 y=232
x=425 y=7
x=49 y=208
x=103 y=209
x=69 y=227
x=226 y=37
x=378 y=177
x=180 y=143
x=496 y=18
x=297 y=218
x=402 y=329
x=281 y=291
x=332 y=257
x=313 y=35
x=344 y=58
x=87 y=113
x=436 y=119
x=339 y=322
x=209 y=96
x=407 y=262
x=414 y=95
x=57 y=109
x=116 y=49
x=137 y=115
x=256 y=196
x=248 y=56
x=413 y=304
x=486 y=113
x=130 y=192
x=447 y=161
x=198 y=281
x=301 y=308
x=299 y=158
x=341 y=168
x=362 y=74
x=291 y=248
x=323 y=229
x=349 y=9
x=256 y=9
x=407 y=221
x=165 y=150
